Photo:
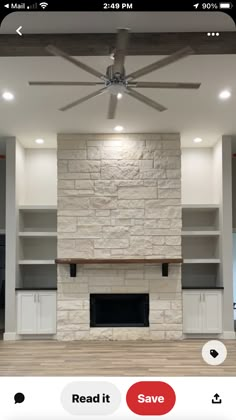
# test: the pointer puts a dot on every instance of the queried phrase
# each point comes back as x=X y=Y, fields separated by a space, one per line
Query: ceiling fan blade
x=112 y=107
x=65 y=83
x=166 y=85
x=161 y=63
x=120 y=51
x=145 y=99
x=57 y=52
x=85 y=98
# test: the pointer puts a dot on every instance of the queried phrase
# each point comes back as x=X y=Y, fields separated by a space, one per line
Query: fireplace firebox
x=119 y=310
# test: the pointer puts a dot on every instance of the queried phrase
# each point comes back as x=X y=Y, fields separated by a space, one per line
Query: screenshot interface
x=117 y=210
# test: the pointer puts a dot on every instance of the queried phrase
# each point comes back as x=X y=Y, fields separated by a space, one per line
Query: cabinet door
x=212 y=311
x=26 y=313
x=192 y=312
x=46 y=313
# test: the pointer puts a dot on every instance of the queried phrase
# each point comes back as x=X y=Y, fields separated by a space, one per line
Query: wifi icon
x=43 y=5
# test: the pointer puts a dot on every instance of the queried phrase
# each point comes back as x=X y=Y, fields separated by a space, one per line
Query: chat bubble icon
x=19 y=398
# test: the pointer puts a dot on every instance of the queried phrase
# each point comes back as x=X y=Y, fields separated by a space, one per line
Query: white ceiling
x=34 y=112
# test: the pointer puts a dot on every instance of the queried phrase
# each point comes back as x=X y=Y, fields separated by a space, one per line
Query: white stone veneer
x=119 y=196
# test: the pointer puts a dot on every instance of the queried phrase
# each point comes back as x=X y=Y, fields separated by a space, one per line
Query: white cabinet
x=192 y=322
x=212 y=303
x=202 y=311
x=46 y=313
x=26 y=313
x=36 y=312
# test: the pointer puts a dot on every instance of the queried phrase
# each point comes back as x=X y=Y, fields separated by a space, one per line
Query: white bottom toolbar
x=116 y=398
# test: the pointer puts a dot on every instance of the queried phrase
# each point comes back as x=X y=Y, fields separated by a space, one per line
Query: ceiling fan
x=116 y=81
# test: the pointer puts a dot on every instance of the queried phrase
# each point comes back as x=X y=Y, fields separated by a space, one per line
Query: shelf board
x=118 y=260
x=37 y=234
x=200 y=206
x=200 y=233
x=37 y=208
x=36 y=262
x=201 y=261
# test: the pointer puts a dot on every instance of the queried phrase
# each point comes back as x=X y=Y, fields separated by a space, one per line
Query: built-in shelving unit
x=200 y=245
x=37 y=240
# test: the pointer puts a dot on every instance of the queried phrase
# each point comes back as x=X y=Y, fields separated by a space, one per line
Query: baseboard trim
x=9 y=336
x=228 y=335
x=36 y=337
x=202 y=336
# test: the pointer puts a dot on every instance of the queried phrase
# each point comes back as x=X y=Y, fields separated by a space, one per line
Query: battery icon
x=226 y=5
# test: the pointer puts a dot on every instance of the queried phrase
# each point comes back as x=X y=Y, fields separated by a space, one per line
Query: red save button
x=150 y=398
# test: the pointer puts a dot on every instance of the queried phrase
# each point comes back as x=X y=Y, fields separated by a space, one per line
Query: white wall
x=217 y=168
x=11 y=230
x=40 y=177
x=197 y=176
x=227 y=239
x=20 y=173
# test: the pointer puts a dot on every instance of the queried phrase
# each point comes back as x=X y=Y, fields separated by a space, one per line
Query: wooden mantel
x=163 y=261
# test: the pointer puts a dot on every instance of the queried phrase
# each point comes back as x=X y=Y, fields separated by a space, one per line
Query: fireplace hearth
x=119 y=310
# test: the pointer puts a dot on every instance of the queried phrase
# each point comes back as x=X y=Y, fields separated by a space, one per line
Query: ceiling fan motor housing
x=116 y=82
x=112 y=75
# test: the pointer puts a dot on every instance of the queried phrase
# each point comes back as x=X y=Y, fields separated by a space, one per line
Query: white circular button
x=214 y=352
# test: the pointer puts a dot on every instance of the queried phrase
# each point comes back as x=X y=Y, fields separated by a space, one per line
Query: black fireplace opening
x=119 y=310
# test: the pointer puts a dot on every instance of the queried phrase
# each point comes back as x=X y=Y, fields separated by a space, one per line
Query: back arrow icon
x=18 y=30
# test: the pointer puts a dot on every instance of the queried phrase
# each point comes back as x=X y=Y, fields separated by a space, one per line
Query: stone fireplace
x=119 y=196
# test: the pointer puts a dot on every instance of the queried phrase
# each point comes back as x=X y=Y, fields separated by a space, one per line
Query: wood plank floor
x=117 y=358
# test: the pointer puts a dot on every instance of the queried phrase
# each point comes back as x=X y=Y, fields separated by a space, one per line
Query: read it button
x=150 y=398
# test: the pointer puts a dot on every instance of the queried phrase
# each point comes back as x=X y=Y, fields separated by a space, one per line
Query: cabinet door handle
x=200 y=297
x=203 y=297
x=38 y=298
x=34 y=298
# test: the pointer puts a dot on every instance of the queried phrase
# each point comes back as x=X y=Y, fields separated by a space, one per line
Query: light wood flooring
x=117 y=358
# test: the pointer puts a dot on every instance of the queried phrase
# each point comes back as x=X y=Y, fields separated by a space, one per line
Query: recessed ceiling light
x=8 y=96
x=225 y=94
x=197 y=140
x=119 y=128
x=39 y=141
x=119 y=95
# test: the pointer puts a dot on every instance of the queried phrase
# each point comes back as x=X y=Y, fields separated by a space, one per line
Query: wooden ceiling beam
x=30 y=45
